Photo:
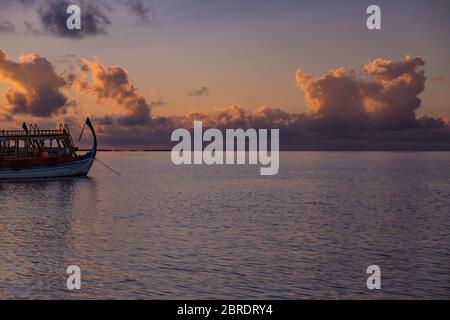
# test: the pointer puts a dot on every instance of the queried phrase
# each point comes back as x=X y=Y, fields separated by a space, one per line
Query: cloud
x=6 y=27
x=5 y=115
x=438 y=79
x=159 y=102
x=384 y=97
x=392 y=94
x=113 y=83
x=53 y=17
x=96 y=16
x=370 y=108
x=335 y=100
x=156 y=132
x=37 y=87
x=203 y=91
x=145 y=14
x=26 y=2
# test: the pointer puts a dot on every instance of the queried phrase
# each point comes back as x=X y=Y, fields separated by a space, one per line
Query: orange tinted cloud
x=394 y=89
x=335 y=100
x=113 y=83
x=37 y=87
x=366 y=107
x=384 y=96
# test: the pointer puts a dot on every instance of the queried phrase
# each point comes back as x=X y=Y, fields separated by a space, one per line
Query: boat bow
x=93 y=152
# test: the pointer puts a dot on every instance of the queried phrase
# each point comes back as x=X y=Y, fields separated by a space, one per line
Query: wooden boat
x=33 y=153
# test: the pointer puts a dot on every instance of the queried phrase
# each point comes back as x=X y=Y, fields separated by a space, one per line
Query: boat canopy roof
x=35 y=133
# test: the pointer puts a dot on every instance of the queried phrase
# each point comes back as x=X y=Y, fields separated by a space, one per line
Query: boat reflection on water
x=41 y=236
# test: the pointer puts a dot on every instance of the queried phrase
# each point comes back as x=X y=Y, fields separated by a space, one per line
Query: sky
x=142 y=68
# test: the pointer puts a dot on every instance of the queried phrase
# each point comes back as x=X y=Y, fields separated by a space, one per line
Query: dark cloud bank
x=53 y=17
x=371 y=108
x=95 y=18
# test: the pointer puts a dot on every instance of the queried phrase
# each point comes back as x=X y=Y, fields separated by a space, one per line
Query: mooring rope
x=108 y=167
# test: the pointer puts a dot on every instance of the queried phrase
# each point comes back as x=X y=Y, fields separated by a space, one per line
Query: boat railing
x=34 y=133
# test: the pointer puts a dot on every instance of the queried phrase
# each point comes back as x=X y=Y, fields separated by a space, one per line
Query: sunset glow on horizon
x=141 y=73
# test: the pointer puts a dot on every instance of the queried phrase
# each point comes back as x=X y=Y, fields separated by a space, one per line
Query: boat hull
x=79 y=167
